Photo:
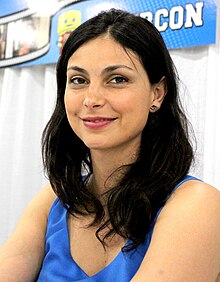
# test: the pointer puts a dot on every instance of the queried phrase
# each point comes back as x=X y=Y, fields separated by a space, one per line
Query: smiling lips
x=97 y=122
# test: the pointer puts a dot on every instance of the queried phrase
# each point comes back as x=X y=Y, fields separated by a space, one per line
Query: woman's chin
x=96 y=145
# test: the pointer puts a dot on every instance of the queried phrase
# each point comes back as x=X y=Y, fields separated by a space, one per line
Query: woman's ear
x=159 y=92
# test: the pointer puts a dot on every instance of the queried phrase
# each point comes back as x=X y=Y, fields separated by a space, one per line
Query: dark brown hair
x=165 y=153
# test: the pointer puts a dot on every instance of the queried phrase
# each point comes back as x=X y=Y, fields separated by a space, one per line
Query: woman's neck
x=106 y=172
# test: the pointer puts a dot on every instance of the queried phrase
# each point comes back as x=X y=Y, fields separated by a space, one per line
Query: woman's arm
x=185 y=244
x=22 y=254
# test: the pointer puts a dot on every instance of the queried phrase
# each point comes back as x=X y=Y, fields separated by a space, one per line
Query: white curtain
x=27 y=98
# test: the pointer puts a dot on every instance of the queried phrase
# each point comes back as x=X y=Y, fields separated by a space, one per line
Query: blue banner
x=33 y=32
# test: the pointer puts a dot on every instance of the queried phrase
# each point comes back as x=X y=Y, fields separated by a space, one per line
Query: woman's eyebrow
x=115 y=67
x=79 y=69
x=105 y=70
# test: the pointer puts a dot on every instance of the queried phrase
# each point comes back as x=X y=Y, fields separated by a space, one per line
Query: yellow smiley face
x=68 y=21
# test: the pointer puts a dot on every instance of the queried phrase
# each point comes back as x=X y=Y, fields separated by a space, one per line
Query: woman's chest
x=87 y=251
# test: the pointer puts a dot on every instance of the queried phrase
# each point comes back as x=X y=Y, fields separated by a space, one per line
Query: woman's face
x=108 y=95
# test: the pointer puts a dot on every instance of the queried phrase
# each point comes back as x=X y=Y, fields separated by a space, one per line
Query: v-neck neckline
x=71 y=259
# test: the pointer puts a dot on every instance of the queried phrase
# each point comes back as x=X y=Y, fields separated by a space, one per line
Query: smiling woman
x=108 y=103
x=120 y=205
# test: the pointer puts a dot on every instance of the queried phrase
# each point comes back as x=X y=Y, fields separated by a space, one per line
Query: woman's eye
x=118 y=79
x=78 y=80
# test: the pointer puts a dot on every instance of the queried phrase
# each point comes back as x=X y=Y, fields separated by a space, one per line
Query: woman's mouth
x=97 y=122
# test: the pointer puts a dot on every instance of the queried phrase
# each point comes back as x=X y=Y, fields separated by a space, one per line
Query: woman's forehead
x=104 y=49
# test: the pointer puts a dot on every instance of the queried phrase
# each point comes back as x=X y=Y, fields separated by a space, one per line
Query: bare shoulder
x=42 y=201
x=34 y=219
x=194 y=196
x=24 y=250
x=38 y=208
x=196 y=205
x=197 y=187
x=36 y=211
x=185 y=244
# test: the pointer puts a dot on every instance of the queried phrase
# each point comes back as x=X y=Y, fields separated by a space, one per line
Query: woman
x=135 y=214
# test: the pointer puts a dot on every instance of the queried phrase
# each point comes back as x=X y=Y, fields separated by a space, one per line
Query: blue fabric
x=59 y=266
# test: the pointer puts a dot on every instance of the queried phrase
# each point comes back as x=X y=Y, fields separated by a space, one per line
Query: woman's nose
x=94 y=97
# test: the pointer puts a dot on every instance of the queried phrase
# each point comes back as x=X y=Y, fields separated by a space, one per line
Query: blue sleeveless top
x=58 y=264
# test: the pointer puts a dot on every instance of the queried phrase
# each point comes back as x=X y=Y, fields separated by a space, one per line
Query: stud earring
x=153 y=108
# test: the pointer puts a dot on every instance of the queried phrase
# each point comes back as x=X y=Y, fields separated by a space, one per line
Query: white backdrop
x=27 y=98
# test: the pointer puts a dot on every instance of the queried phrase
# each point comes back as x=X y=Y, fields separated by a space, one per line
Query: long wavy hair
x=165 y=153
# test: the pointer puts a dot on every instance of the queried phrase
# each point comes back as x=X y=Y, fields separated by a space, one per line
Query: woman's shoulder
x=41 y=203
x=185 y=241
x=190 y=193
x=194 y=196
x=24 y=250
x=46 y=198
x=194 y=189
